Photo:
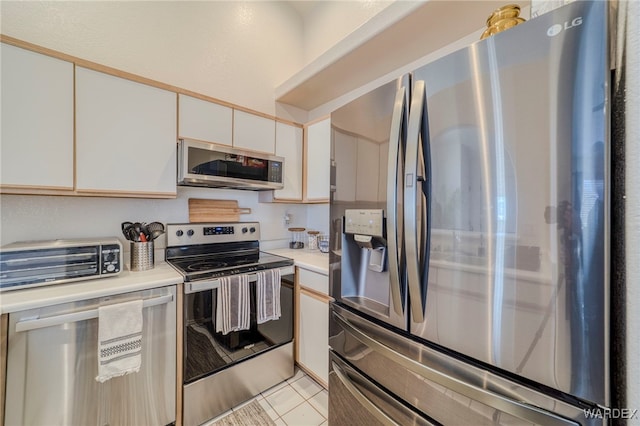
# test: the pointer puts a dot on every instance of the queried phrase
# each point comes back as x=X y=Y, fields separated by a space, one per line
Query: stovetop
x=222 y=264
x=201 y=251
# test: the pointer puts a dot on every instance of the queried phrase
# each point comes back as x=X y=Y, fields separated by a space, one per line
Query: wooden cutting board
x=203 y=210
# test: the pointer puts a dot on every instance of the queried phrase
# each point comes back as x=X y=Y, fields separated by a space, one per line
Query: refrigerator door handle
x=411 y=203
x=394 y=243
x=494 y=400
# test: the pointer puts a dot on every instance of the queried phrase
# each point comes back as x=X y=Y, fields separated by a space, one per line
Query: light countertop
x=313 y=260
x=127 y=281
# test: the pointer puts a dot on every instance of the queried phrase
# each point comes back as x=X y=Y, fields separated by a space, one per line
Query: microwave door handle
x=34 y=324
x=412 y=195
x=394 y=240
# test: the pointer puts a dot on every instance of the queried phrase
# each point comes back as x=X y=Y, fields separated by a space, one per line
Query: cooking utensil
x=155 y=226
x=125 y=229
x=133 y=235
x=156 y=233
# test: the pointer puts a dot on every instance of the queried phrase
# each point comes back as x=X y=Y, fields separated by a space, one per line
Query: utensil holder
x=141 y=256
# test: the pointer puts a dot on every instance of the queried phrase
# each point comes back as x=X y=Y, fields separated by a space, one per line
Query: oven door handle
x=196 y=286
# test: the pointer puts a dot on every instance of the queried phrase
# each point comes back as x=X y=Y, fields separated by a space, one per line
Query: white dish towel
x=233 y=309
x=268 y=295
x=119 y=339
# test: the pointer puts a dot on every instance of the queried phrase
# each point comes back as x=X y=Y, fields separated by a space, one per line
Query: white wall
x=26 y=217
x=234 y=51
x=328 y=22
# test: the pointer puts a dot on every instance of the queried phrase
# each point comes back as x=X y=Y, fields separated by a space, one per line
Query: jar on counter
x=297 y=238
x=323 y=243
x=312 y=240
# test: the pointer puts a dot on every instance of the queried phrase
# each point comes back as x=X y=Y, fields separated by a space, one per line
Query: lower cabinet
x=312 y=353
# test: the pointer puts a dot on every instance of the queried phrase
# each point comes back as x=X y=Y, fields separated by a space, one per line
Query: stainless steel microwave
x=216 y=166
x=38 y=263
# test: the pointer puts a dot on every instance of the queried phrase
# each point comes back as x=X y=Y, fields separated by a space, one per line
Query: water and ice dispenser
x=364 y=274
x=367 y=229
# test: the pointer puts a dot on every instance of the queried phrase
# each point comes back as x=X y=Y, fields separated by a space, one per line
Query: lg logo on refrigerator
x=556 y=29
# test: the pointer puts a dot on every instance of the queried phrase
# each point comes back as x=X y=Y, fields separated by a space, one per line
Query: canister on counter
x=297 y=238
x=312 y=240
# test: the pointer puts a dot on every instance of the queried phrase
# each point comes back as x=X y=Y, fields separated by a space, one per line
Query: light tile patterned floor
x=299 y=401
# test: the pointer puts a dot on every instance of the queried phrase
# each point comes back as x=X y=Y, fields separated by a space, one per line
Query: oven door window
x=207 y=351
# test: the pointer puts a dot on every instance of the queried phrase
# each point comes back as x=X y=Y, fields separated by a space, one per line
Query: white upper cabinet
x=289 y=146
x=205 y=121
x=345 y=157
x=254 y=132
x=368 y=160
x=318 y=160
x=37 y=120
x=125 y=136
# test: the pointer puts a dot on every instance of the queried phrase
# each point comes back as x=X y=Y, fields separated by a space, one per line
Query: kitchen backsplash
x=25 y=218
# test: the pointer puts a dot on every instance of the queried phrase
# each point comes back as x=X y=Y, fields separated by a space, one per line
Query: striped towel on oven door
x=268 y=295
x=119 y=339
x=233 y=309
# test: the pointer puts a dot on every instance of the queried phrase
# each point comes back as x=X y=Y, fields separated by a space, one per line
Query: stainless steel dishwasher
x=52 y=365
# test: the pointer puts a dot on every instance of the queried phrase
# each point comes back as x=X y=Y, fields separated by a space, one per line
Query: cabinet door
x=289 y=146
x=37 y=120
x=203 y=120
x=368 y=160
x=318 y=160
x=253 y=132
x=125 y=136
x=313 y=349
x=346 y=166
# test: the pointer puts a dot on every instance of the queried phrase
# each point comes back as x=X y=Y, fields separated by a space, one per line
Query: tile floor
x=299 y=401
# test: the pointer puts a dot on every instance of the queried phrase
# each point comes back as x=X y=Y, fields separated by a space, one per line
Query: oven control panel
x=180 y=234
x=219 y=230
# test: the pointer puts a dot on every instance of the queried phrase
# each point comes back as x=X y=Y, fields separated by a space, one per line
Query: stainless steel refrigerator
x=470 y=228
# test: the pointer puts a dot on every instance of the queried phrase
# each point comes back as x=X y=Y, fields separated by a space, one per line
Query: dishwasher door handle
x=34 y=324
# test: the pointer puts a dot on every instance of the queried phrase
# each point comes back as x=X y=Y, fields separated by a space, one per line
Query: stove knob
x=179 y=232
x=244 y=230
x=252 y=229
x=190 y=232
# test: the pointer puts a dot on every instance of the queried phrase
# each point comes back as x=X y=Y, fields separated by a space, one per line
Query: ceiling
x=303 y=7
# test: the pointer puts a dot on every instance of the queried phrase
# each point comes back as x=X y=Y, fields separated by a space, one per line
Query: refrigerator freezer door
x=360 y=402
x=517 y=263
x=448 y=390
x=368 y=152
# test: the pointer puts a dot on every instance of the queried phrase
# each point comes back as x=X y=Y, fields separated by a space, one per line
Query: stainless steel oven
x=222 y=370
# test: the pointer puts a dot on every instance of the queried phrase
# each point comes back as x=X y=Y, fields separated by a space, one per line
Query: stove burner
x=206 y=265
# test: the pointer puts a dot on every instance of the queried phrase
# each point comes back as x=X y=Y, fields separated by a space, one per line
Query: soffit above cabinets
x=402 y=33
